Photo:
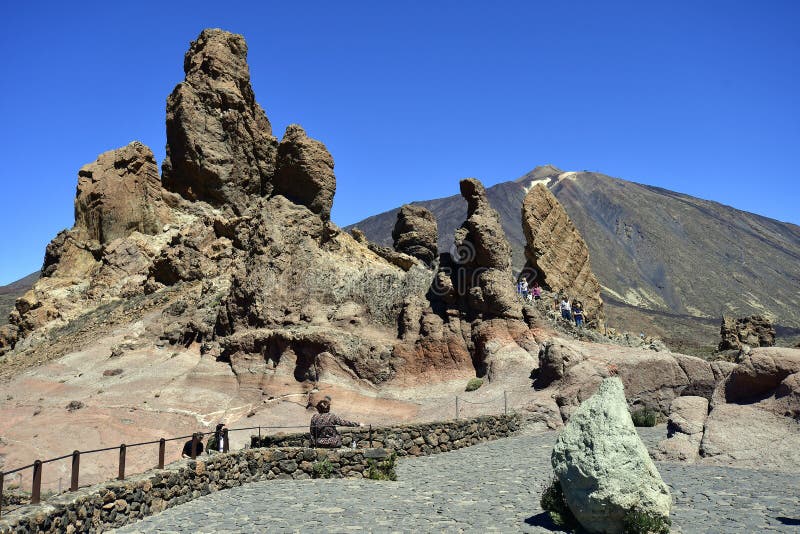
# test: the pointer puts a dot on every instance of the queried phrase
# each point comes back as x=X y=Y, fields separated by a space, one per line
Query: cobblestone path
x=489 y=487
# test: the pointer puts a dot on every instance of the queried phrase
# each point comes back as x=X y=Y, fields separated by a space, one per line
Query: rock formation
x=603 y=467
x=767 y=376
x=220 y=146
x=484 y=257
x=304 y=172
x=753 y=331
x=416 y=234
x=118 y=194
x=557 y=253
x=687 y=418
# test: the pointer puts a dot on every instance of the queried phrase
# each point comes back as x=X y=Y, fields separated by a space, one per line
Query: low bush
x=322 y=469
x=644 y=417
x=383 y=470
x=554 y=503
x=639 y=522
x=474 y=384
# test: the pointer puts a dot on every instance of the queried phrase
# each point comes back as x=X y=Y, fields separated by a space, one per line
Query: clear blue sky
x=697 y=97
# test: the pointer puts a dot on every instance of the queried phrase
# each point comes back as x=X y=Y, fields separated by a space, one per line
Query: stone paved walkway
x=489 y=487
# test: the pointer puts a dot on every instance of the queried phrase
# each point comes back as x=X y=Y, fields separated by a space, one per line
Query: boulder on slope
x=604 y=468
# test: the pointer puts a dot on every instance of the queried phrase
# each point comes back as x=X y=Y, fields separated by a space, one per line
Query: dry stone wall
x=414 y=439
x=114 y=504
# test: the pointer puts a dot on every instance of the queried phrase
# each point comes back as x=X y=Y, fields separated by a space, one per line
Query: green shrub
x=322 y=469
x=474 y=384
x=644 y=417
x=638 y=522
x=554 y=503
x=383 y=470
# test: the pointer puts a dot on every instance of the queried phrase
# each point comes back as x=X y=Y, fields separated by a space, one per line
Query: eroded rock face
x=416 y=233
x=484 y=257
x=769 y=376
x=558 y=253
x=118 y=194
x=305 y=172
x=603 y=466
x=753 y=331
x=687 y=418
x=220 y=147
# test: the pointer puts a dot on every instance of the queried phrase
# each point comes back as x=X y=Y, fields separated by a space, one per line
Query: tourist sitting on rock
x=577 y=312
x=216 y=441
x=566 y=309
x=324 y=423
x=187 y=449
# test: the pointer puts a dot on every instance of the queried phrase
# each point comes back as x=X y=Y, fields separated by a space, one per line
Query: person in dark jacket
x=216 y=441
x=187 y=449
x=324 y=423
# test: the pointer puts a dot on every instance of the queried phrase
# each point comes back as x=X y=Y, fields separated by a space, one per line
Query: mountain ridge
x=653 y=249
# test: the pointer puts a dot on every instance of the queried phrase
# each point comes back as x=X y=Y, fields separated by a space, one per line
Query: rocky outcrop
x=484 y=257
x=687 y=418
x=769 y=376
x=603 y=467
x=652 y=379
x=220 y=147
x=416 y=234
x=557 y=254
x=304 y=172
x=119 y=194
x=753 y=331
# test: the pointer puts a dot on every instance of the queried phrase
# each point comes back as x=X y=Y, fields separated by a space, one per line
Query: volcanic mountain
x=669 y=264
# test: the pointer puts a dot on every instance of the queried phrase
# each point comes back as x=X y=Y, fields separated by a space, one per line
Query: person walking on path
x=324 y=423
x=537 y=291
x=566 y=310
x=577 y=312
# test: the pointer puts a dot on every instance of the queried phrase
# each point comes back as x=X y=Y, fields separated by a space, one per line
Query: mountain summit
x=668 y=263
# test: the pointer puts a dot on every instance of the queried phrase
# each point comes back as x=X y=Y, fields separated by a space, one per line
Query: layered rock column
x=416 y=233
x=118 y=194
x=220 y=146
x=484 y=251
x=557 y=252
x=305 y=172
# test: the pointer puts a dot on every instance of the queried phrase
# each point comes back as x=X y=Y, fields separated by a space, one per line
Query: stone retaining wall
x=117 y=503
x=418 y=439
x=113 y=504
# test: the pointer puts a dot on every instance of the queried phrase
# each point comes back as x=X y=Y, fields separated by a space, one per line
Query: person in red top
x=324 y=423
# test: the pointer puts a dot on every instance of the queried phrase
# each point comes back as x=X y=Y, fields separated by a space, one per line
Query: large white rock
x=603 y=466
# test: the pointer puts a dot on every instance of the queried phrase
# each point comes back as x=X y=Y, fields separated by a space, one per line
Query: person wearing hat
x=216 y=442
x=324 y=423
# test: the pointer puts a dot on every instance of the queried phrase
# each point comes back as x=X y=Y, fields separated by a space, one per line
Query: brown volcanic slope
x=670 y=264
x=10 y=293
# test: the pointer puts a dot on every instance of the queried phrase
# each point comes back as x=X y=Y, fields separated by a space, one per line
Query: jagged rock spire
x=220 y=146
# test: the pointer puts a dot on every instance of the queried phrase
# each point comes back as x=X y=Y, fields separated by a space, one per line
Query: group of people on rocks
x=526 y=292
x=323 y=432
x=570 y=309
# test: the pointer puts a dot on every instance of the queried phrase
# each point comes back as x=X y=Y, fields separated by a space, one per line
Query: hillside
x=11 y=292
x=670 y=264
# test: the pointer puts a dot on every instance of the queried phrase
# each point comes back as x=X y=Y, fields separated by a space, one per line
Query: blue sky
x=697 y=97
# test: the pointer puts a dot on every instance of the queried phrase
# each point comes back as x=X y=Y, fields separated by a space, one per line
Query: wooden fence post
x=76 y=466
x=121 y=475
x=162 y=448
x=36 y=490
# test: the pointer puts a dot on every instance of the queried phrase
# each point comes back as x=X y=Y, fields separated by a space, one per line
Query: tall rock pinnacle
x=220 y=146
x=482 y=247
x=557 y=251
